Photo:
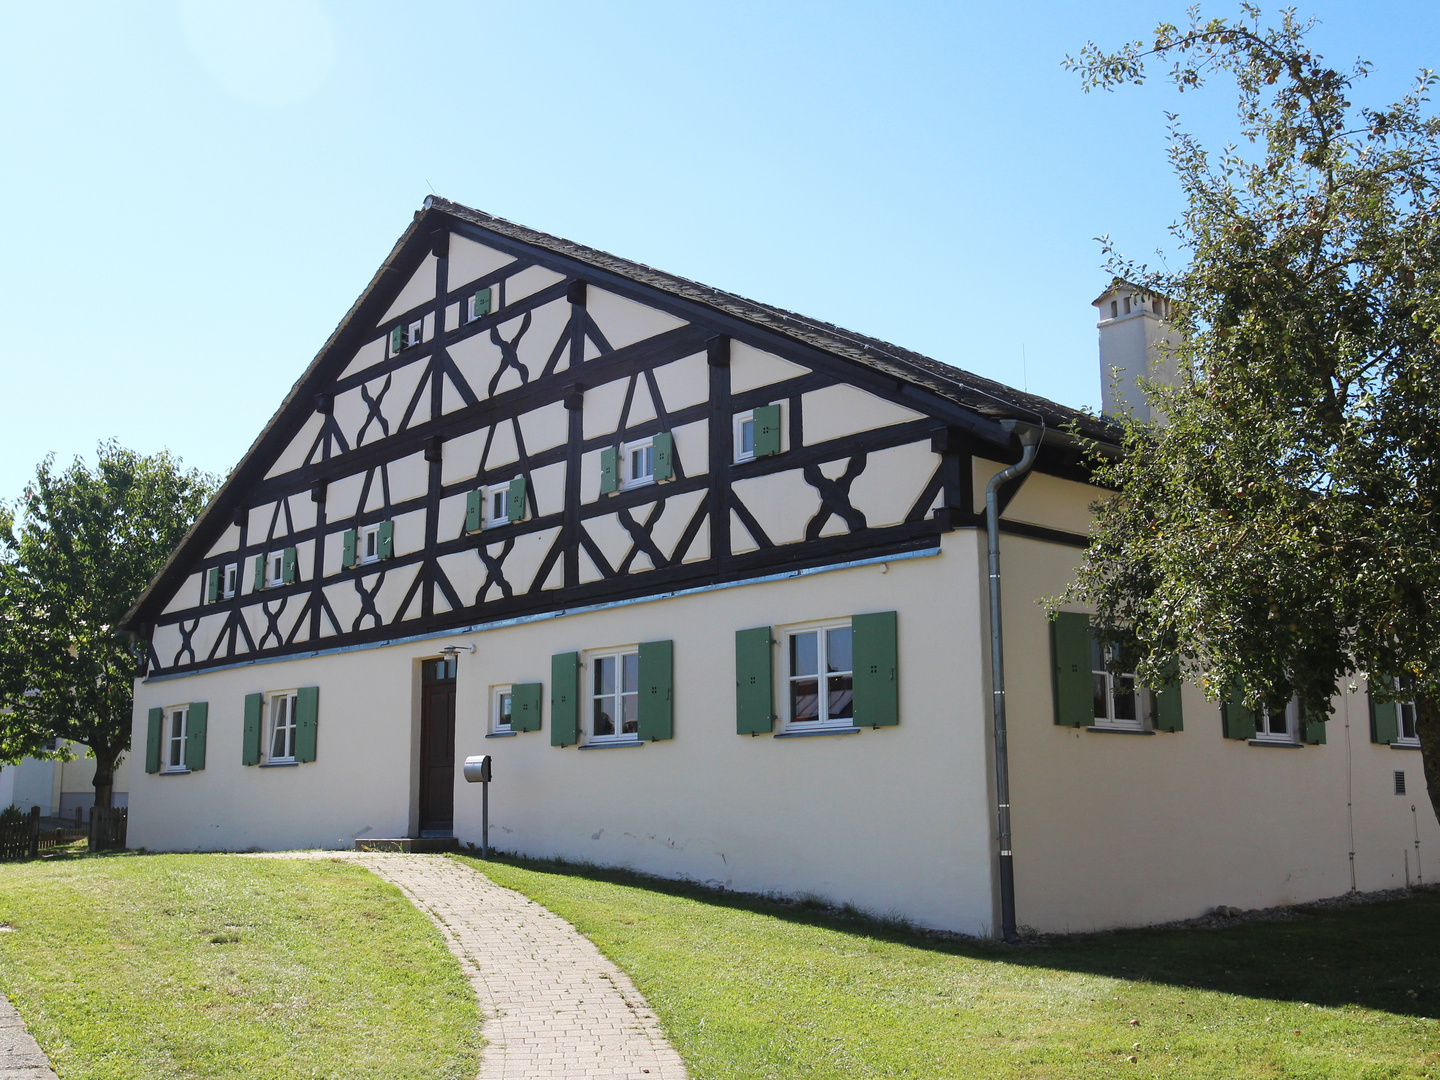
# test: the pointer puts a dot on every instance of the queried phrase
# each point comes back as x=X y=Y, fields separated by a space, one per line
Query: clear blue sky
x=192 y=194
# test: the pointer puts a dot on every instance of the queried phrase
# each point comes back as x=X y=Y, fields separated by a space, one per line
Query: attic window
x=404 y=337
x=479 y=305
x=1114 y=309
x=1127 y=305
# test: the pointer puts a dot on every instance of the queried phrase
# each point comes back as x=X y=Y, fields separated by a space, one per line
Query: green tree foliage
x=76 y=550
x=1278 y=533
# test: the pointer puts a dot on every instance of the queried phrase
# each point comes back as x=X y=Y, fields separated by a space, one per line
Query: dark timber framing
x=960 y=423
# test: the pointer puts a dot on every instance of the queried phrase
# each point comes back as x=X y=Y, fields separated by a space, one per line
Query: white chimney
x=1135 y=343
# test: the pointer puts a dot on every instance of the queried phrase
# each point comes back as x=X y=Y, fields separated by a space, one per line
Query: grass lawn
x=749 y=989
x=196 y=966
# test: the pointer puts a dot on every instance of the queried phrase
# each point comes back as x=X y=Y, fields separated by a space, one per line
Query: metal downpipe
x=1030 y=440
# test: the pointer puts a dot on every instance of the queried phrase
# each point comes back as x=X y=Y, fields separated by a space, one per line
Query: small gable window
x=757 y=433
x=406 y=336
x=745 y=436
x=370 y=543
x=275 y=573
x=639 y=463
x=478 y=305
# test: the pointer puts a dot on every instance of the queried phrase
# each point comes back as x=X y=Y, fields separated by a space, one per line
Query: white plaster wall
x=298 y=451
x=751 y=367
x=1121 y=829
x=419 y=289
x=893 y=819
x=840 y=410
x=623 y=321
x=469 y=261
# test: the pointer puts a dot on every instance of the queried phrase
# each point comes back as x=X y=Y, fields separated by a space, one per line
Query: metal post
x=485 y=820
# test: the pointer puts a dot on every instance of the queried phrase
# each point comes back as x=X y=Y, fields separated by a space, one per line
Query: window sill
x=1101 y=729
x=1276 y=744
x=278 y=764
x=173 y=772
x=818 y=731
x=618 y=744
x=1404 y=746
x=501 y=734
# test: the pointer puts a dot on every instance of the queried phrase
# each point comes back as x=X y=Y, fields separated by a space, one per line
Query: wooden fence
x=26 y=840
x=107 y=828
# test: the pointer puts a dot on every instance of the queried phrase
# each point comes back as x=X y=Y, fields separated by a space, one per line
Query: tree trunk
x=1427 y=726
x=104 y=774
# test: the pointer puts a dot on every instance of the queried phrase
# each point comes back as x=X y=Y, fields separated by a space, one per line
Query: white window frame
x=274 y=569
x=1401 y=738
x=176 y=746
x=1290 y=736
x=273 y=700
x=741 y=419
x=628 y=478
x=499 y=696
x=1111 y=722
x=415 y=333
x=823 y=720
x=229 y=581
x=363 y=543
x=492 y=518
x=592 y=696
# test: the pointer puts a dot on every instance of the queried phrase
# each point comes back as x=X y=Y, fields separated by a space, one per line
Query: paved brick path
x=20 y=1055
x=554 y=1008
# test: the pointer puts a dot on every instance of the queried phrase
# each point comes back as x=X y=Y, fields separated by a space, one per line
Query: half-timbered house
x=708 y=581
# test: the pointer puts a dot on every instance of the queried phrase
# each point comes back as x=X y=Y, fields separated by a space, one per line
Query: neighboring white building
x=59 y=788
x=743 y=547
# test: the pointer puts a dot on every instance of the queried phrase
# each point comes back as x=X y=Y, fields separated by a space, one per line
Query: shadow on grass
x=1381 y=955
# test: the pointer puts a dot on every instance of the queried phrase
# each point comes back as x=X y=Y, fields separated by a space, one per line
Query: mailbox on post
x=477 y=771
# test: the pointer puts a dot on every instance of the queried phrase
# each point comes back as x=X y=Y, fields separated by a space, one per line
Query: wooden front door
x=437 y=747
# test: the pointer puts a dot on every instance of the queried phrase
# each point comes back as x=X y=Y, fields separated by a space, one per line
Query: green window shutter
x=1312 y=729
x=1237 y=720
x=152 y=740
x=525 y=703
x=1384 y=724
x=767 y=430
x=307 y=719
x=385 y=541
x=1070 y=669
x=657 y=691
x=876 y=660
x=397 y=339
x=347 y=556
x=664 y=446
x=515 y=500
x=250 y=745
x=474 y=519
x=288 y=566
x=564 y=699
x=196 y=725
x=609 y=471
x=1168 y=714
x=212 y=585
x=259 y=572
x=481 y=301
x=754 y=681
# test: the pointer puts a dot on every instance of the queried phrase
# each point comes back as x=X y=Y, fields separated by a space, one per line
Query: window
x=370 y=544
x=745 y=436
x=415 y=333
x=1127 y=305
x=497 y=504
x=1278 y=722
x=1117 y=698
x=177 y=725
x=820 y=676
x=230 y=580
x=281 y=745
x=275 y=569
x=615 y=696
x=479 y=305
x=1114 y=309
x=503 y=712
x=1405 y=722
x=639 y=463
